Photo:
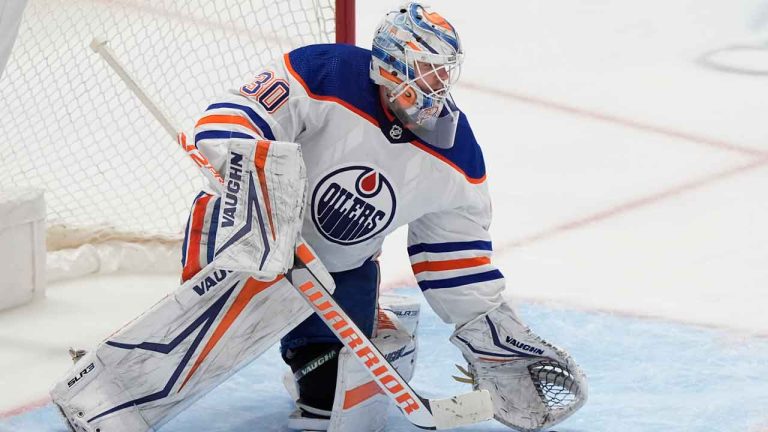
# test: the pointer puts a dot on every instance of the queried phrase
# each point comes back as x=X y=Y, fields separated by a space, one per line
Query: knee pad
x=356 y=403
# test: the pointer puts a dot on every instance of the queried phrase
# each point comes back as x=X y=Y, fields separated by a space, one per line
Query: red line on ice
x=610 y=212
x=610 y=118
x=25 y=408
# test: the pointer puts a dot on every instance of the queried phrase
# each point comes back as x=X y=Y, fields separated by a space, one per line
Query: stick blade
x=461 y=410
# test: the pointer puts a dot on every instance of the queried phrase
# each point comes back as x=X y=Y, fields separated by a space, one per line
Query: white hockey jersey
x=368 y=175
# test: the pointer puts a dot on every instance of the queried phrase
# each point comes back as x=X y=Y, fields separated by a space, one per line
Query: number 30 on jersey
x=268 y=91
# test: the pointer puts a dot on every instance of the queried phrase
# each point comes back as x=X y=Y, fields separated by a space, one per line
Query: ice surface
x=626 y=178
x=644 y=375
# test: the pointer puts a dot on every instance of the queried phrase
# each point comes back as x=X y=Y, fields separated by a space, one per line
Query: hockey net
x=68 y=125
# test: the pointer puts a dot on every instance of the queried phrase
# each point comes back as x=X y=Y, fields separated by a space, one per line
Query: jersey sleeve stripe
x=447 y=274
x=228 y=119
x=449 y=247
x=460 y=280
x=254 y=117
x=220 y=134
x=434 y=266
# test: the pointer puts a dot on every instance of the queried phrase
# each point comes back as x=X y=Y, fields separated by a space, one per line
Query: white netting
x=70 y=126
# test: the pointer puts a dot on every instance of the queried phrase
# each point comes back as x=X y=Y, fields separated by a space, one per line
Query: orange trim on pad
x=361 y=394
x=249 y=290
x=195 y=237
x=304 y=254
x=260 y=160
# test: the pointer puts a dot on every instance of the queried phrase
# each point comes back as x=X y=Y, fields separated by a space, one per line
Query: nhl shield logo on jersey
x=353 y=204
x=396 y=132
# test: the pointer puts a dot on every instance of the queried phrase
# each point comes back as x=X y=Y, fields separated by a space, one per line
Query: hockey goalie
x=322 y=155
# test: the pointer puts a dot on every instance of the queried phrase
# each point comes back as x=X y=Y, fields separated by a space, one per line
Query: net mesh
x=70 y=126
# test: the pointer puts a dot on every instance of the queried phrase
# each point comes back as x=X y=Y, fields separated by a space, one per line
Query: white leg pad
x=359 y=404
x=180 y=349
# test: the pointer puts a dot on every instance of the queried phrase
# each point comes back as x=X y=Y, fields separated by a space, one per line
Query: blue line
x=449 y=247
x=255 y=118
x=460 y=280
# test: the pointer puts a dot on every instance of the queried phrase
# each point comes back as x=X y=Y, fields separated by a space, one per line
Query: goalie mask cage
x=70 y=126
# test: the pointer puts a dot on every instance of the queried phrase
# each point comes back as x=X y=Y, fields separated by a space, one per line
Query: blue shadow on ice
x=645 y=375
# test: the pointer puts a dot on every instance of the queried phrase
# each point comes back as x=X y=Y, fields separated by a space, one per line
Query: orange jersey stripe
x=251 y=288
x=228 y=119
x=262 y=150
x=195 y=235
x=374 y=121
x=361 y=394
x=455 y=264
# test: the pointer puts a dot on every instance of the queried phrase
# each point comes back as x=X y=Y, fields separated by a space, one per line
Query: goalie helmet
x=417 y=57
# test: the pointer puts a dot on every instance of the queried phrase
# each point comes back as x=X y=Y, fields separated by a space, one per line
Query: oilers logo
x=353 y=204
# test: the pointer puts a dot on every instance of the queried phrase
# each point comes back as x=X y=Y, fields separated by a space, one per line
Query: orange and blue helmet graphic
x=416 y=52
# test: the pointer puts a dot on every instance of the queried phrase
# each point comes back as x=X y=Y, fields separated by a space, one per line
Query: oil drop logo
x=353 y=204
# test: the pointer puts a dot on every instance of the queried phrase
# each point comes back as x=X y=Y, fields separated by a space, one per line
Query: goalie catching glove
x=533 y=384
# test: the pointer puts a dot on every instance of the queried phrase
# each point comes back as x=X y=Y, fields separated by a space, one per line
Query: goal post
x=69 y=126
x=345 y=21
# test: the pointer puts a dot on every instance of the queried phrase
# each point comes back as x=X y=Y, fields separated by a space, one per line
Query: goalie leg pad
x=358 y=404
x=181 y=348
x=533 y=384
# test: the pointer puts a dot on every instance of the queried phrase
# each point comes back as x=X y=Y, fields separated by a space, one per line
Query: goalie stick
x=463 y=409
